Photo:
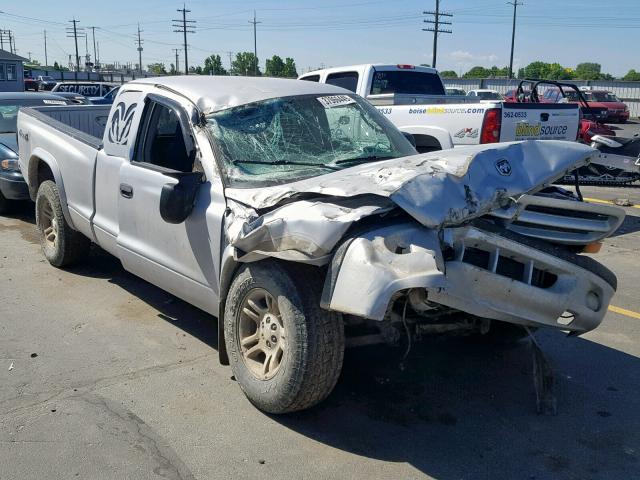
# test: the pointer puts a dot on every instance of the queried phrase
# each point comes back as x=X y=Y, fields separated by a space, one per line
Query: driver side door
x=175 y=257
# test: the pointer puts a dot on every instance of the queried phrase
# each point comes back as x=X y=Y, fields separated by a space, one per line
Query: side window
x=161 y=142
x=311 y=78
x=348 y=80
x=2 y=75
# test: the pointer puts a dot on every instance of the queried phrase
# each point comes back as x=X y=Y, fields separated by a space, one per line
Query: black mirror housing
x=178 y=199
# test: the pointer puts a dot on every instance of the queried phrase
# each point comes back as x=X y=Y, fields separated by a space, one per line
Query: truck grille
x=494 y=261
x=560 y=221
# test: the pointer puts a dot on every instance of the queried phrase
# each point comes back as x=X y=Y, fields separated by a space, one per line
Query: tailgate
x=539 y=121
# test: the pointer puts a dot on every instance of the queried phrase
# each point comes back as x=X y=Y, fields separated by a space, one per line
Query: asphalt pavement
x=104 y=376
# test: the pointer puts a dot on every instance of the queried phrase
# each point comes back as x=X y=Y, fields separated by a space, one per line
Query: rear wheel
x=61 y=245
x=285 y=351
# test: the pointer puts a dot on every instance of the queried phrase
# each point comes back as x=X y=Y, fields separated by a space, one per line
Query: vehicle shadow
x=463 y=411
x=188 y=318
x=455 y=409
x=631 y=224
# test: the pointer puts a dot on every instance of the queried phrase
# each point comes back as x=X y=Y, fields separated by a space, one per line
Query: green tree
x=60 y=68
x=274 y=67
x=555 y=71
x=157 y=68
x=245 y=63
x=632 y=76
x=213 y=65
x=477 y=72
x=196 y=70
x=172 y=70
x=290 y=70
x=588 y=71
x=448 y=74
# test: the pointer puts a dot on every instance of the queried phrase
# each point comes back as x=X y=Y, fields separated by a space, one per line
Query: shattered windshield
x=290 y=138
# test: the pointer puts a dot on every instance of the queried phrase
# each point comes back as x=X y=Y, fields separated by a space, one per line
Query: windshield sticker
x=54 y=102
x=335 y=101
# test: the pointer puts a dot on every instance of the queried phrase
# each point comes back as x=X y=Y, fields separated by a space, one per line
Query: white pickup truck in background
x=414 y=99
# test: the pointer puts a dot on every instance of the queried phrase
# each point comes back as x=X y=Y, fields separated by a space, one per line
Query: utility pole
x=255 y=45
x=29 y=55
x=139 y=50
x=177 y=51
x=230 y=61
x=12 y=43
x=513 y=35
x=436 y=29
x=184 y=26
x=95 y=54
x=46 y=59
x=73 y=32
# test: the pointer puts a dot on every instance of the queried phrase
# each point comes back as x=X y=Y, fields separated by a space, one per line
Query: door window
x=163 y=142
x=348 y=80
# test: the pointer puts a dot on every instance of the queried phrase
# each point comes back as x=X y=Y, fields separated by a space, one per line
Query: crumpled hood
x=440 y=188
x=437 y=189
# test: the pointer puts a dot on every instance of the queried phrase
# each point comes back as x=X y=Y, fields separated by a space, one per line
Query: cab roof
x=214 y=93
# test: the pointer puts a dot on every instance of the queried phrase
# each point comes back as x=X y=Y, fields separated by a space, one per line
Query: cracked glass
x=291 y=138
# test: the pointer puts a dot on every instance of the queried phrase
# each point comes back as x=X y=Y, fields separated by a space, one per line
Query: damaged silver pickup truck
x=294 y=211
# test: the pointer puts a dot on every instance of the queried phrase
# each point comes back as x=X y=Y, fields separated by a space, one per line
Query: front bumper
x=13 y=186
x=488 y=275
x=618 y=116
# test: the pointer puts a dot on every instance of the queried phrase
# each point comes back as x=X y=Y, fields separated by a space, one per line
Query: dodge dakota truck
x=295 y=212
x=414 y=99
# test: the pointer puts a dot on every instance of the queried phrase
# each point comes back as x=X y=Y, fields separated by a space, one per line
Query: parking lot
x=106 y=376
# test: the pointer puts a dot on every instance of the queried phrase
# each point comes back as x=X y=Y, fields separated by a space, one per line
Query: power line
x=255 y=45
x=139 y=41
x=187 y=26
x=436 y=29
x=513 y=35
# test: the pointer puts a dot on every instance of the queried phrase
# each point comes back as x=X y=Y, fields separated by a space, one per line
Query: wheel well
x=39 y=172
x=427 y=143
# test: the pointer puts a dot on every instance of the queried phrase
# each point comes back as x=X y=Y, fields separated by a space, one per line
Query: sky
x=319 y=33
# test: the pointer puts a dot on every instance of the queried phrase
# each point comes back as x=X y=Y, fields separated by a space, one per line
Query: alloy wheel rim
x=49 y=224
x=261 y=333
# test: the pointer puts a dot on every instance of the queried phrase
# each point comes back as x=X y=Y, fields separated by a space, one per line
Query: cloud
x=464 y=57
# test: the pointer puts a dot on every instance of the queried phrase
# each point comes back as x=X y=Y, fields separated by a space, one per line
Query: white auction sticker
x=335 y=100
x=54 y=102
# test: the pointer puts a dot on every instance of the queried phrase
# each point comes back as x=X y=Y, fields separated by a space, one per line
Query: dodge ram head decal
x=121 y=123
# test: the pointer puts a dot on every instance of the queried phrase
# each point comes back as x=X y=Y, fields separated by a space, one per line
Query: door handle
x=126 y=190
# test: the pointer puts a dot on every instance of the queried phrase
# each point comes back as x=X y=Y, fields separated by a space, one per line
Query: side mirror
x=411 y=138
x=178 y=199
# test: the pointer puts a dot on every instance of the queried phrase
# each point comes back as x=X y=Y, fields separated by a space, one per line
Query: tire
x=5 y=204
x=311 y=340
x=503 y=333
x=62 y=246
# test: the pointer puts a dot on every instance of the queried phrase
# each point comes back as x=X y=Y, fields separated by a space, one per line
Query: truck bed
x=85 y=123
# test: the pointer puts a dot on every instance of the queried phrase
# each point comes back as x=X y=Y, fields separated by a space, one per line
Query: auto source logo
x=536 y=130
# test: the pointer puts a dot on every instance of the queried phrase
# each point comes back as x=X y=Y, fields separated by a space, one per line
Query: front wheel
x=285 y=351
x=61 y=245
